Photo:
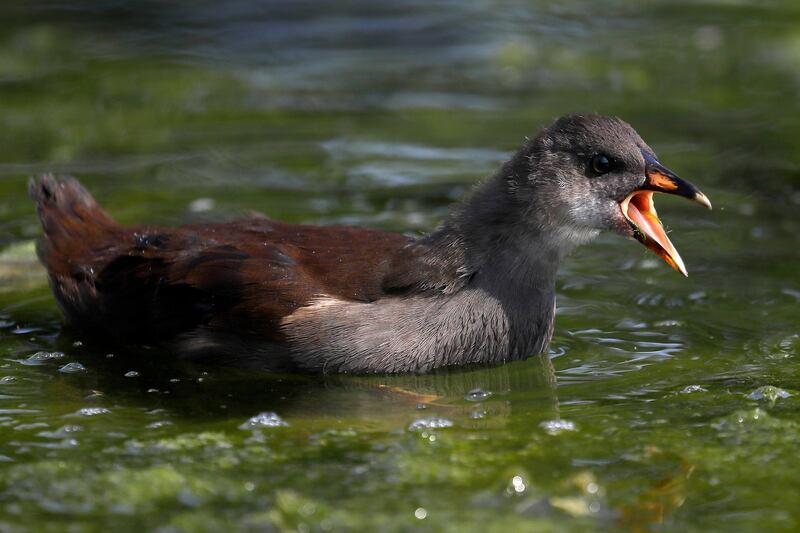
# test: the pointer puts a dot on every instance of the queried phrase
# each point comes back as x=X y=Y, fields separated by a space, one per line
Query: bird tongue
x=640 y=210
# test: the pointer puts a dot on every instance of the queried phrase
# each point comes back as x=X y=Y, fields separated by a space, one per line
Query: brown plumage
x=143 y=284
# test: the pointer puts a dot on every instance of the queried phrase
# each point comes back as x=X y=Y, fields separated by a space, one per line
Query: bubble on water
x=420 y=513
x=689 y=389
x=131 y=374
x=518 y=484
x=40 y=358
x=430 y=423
x=61 y=433
x=769 y=393
x=264 y=420
x=72 y=368
x=65 y=443
x=158 y=424
x=554 y=427
x=477 y=395
x=91 y=411
x=7 y=379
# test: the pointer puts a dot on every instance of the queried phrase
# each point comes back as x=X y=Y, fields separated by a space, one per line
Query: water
x=665 y=403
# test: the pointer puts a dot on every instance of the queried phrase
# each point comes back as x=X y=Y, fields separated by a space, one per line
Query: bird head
x=588 y=173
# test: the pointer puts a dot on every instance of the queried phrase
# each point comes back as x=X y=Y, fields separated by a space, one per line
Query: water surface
x=664 y=404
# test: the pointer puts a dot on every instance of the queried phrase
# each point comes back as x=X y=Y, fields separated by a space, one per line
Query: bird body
x=480 y=289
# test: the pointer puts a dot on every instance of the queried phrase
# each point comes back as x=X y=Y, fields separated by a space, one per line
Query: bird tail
x=72 y=220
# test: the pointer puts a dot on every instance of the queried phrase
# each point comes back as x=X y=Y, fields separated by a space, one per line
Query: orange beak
x=639 y=209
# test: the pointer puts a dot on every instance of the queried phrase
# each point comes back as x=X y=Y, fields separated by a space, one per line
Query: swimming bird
x=479 y=289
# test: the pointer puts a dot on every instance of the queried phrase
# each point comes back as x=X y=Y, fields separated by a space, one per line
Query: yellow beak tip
x=701 y=198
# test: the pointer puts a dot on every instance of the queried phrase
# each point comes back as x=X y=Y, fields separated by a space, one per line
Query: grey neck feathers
x=495 y=240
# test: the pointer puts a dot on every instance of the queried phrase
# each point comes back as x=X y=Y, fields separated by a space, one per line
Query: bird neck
x=493 y=239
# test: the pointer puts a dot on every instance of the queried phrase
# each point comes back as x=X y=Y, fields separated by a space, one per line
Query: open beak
x=639 y=209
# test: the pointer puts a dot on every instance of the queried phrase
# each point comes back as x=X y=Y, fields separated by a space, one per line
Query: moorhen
x=480 y=289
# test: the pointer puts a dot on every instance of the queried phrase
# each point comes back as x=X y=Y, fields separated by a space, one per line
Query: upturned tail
x=72 y=221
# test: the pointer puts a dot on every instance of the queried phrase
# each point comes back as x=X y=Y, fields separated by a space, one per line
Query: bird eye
x=601 y=164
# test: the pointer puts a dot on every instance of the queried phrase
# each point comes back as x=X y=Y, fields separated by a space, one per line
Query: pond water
x=664 y=404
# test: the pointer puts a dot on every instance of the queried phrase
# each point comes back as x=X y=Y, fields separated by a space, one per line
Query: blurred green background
x=674 y=405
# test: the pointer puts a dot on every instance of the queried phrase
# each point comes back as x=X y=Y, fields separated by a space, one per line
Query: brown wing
x=147 y=284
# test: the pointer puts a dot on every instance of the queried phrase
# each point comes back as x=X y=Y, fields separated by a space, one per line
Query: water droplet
x=72 y=368
x=518 y=484
x=420 y=513
x=40 y=358
x=131 y=374
x=264 y=420
x=430 y=423
x=554 y=427
x=477 y=395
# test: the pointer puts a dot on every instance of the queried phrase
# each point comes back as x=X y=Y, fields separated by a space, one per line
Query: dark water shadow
x=149 y=378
